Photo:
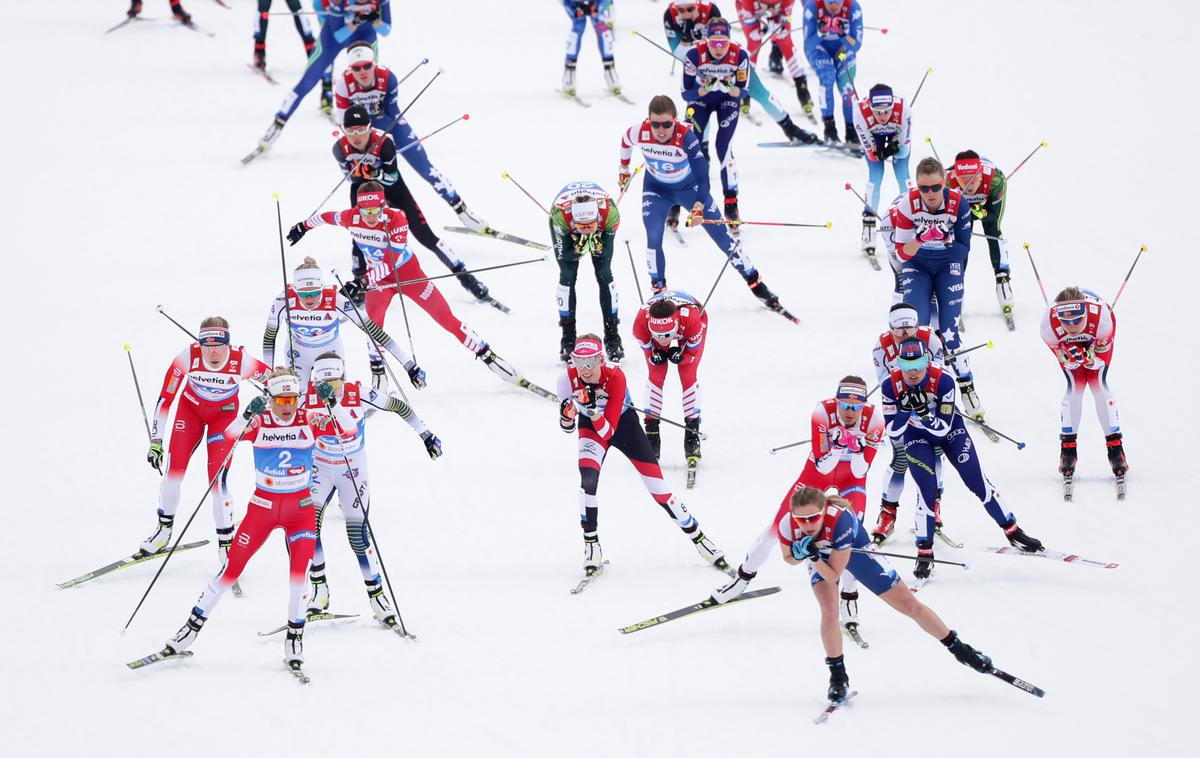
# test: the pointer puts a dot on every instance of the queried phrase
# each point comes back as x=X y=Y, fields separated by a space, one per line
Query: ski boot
x=135 y=9
x=1005 y=297
x=380 y=606
x=673 y=217
x=868 y=233
x=612 y=340
x=1116 y=454
x=568 y=79
x=653 y=433
x=610 y=78
x=795 y=133
x=593 y=555
x=852 y=136
x=498 y=365
x=732 y=215
x=186 y=635
x=831 y=134
x=293 y=645
x=379 y=380
x=318 y=590
x=310 y=44
x=1018 y=538
x=848 y=610
x=735 y=588
x=970 y=400
x=327 y=99
x=775 y=60
x=272 y=133
x=763 y=293
x=477 y=288
x=180 y=14
x=469 y=219
x=567 y=344
x=708 y=551
x=260 y=54
x=161 y=537
x=1068 y=455
x=691 y=438
x=839 y=680
x=806 y=102
x=224 y=542
x=886 y=522
x=967 y=655
x=923 y=568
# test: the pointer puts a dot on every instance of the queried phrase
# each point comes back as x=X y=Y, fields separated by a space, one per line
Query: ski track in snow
x=146 y=130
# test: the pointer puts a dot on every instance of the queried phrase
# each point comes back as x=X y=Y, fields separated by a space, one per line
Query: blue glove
x=325 y=392
x=416 y=375
x=805 y=547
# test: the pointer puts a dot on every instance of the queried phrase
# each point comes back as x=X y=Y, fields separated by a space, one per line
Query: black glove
x=256 y=407
x=658 y=356
x=367 y=18
x=919 y=402
x=296 y=232
x=675 y=355
x=888 y=147
x=416 y=375
x=355 y=290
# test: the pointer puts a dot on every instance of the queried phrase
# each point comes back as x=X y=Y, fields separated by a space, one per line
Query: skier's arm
x=852 y=40
x=691 y=144
x=274 y=324
x=606 y=425
x=691 y=88
x=865 y=137
x=389 y=171
x=962 y=230
x=172 y=382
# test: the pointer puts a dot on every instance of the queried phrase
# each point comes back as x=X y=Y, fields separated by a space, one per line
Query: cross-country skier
x=833 y=32
x=672 y=328
x=368 y=153
x=822 y=533
x=584 y=222
x=283 y=437
x=984 y=188
x=593 y=397
x=918 y=406
x=599 y=12
x=206 y=374
x=884 y=126
x=1080 y=329
x=376 y=88
x=764 y=20
x=303 y=28
x=182 y=16
x=677 y=174
x=316 y=314
x=340 y=465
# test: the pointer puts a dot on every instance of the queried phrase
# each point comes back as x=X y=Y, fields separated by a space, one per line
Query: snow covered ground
x=133 y=139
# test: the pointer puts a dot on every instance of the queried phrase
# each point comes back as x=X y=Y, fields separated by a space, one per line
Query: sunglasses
x=661 y=124
x=309 y=293
x=844 y=406
x=1072 y=320
x=286 y=399
x=370 y=211
x=928 y=188
x=589 y=361
x=356 y=131
x=362 y=67
x=685 y=8
x=814 y=518
x=913 y=364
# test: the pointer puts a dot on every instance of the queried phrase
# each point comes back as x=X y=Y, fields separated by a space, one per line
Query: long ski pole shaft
x=725 y=265
x=463 y=273
x=182 y=328
x=992 y=429
x=395 y=121
x=525 y=192
x=863 y=200
x=1137 y=258
x=1036 y=275
x=378 y=347
x=138 y=388
x=725 y=222
x=211 y=483
x=366 y=509
x=287 y=301
x=442 y=128
x=917 y=94
x=909 y=557
x=1041 y=144
x=631 y=407
x=636 y=33
x=929 y=141
x=633 y=268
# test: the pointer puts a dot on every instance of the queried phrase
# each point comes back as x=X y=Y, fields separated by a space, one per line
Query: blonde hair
x=309 y=262
x=216 y=321
x=1069 y=293
x=813 y=496
x=282 y=371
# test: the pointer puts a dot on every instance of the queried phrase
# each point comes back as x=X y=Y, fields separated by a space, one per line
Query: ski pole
x=863 y=200
x=929 y=141
x=378 y=347
x=460 y=273
x=636 y=171
x=1036 y=275
x=141 y=403
x=726 y=222
x=724 y=266
x=908 y=557
x=517 y=184
x=880 y=29
x=392 y=125
x=166 y=315
x=633 y=268
x=917 y=94
x=403 y=310
x=648 y=414
x=636 y=33
x=1141 y=250
x=367 y=523
x=1041 y=144
x=775 y=450
x=993 y=430
x=287 y=301
x=442 y=128
x=212 y=483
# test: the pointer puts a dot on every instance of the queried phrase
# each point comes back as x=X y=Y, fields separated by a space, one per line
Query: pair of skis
x=131 y=560
x=844 y=148
x=166 y=654
x=133 y=19
x=1069 y=487
x=575 y=98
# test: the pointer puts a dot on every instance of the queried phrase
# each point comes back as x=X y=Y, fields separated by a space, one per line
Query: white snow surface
x=132 y=140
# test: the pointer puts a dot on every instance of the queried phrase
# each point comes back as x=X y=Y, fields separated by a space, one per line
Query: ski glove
x=256 y=407
x=675 y=355
x=658 y=356
x=433 y=445
x=325 y=392
x=805 y=547
x=416 y=375
x=296 y=232
x=355 y=290
x=155 y=455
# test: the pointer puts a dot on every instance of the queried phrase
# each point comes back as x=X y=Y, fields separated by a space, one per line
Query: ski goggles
x=308 y=293
x=808 y=520
x=913 y=364
x=372 y=212
x=356 y=131
x=213 y=337
x=845 y=406
x=285 y=400
x=587 y=354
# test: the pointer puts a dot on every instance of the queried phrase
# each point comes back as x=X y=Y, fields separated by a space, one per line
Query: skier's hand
x=154 y=455
x=835 y=436
x=355 y=291
x=433 y=445
x=979 y=211
x=256 y=407
x=364 y=170
x=852 y=442
x=805 y=547
x=696 y=214
x=736 y=92
x=416 y=374
x=325 y=392
x=675 y=355
x=296 y=232
x=623 y=177
x=888 y=147
x=658 y=356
